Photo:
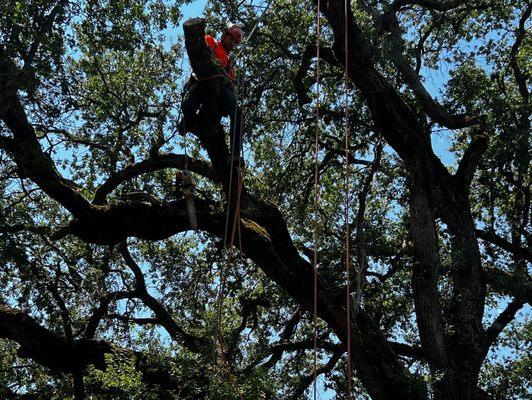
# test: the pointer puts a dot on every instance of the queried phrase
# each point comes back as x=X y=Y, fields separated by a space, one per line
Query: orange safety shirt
x=220 y=54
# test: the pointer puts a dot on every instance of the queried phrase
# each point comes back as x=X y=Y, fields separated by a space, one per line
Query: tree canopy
x=106 y=291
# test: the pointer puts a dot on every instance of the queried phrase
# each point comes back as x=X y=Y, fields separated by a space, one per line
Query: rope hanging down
x=246 y=40
x=237 y=212
x=315 y=230
x=347 y=201
x=347 y=204
x=228 y=248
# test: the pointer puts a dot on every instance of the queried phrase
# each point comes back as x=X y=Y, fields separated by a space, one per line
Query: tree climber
x=192 y=99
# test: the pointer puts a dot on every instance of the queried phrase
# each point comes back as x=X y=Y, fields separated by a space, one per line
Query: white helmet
x=235 y=32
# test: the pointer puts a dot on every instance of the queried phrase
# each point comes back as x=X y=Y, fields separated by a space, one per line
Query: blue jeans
x=229 y=107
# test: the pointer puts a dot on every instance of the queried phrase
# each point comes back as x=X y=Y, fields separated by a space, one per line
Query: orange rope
x=347 y=204
x=315 y=234
x=236 y=221
x=228 y=368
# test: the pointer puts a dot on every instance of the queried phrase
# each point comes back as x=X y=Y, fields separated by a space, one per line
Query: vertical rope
x=315 y=233
x=347 y=201
x=181 y=116
x=228 y=248
x=241 y=167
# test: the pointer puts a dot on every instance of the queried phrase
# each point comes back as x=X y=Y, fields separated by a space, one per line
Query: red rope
x=347 y=204
x=315 y=234
x=236 y=222
x=229 y=371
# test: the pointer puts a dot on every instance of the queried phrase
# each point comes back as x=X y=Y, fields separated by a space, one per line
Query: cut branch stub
x=205 y=67
x=199 y=54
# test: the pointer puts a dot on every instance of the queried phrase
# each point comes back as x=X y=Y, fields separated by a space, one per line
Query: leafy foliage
x=101 y=85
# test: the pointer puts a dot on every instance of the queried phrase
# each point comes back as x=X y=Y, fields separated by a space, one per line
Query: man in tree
x=231 y=37
x=86 y=272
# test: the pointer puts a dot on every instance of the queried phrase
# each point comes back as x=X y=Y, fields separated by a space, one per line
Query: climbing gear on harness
x=188 y=193
x=184 y=188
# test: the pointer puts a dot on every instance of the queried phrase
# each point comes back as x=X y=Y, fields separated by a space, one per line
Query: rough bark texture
x=434 y=192
x=57 y=353
x=456 y=350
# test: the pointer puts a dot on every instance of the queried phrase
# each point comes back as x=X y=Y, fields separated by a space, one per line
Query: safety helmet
x=235 y=31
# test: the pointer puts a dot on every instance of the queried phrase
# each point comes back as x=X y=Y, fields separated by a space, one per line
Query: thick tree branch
x=7 y=144
x=469 y=162
x=57 y=353
x=152 y=164
x=520 y=252
x=393 y=117
x=34 y=163
x=425 y=272
x=501 y=322
x=437 y=5
x=193 y=343
x=152 y=221
x=38 y=230
x=407 y=350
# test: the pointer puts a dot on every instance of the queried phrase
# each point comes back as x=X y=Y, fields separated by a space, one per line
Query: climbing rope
x=248 y=37
x=228 y=246
x=347 y=202
x=315 y=230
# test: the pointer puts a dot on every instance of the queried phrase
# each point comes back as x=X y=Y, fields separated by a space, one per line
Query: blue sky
x=441 y=141
x=195 y=9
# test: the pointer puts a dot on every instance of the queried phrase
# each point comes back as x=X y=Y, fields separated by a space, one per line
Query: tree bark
x=59 y=354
